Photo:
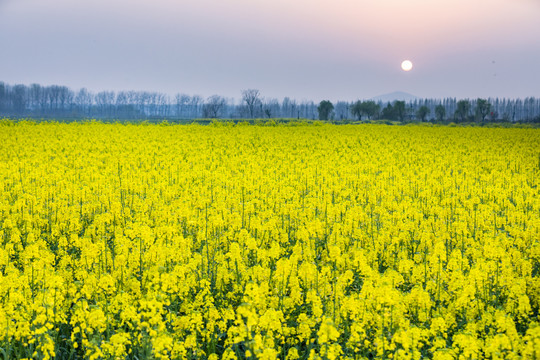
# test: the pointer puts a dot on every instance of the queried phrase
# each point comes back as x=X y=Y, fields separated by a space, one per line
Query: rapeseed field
x=123 y=241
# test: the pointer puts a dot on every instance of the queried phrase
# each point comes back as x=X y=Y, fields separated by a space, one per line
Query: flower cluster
x=123 y=241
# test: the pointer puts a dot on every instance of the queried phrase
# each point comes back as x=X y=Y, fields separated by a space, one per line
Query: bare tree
x=53 y=93
x=35 y=93
x=122 y=104
x=65 y=97
x=83 y=101
x=143 y=99
x=289 y=108
x=19 y=98
x=105 y=101
x=252 y=99
x=3 y=96
x=195 y=104
x=213 y=106
x=271 y=108
x=182 y=101
x=163 y=105
x=342 y=110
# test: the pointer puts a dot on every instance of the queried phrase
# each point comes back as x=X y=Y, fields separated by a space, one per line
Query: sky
x=303 y=49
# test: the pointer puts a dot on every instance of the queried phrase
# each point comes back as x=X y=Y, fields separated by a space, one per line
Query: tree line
x=55 y=101
x=436 y=110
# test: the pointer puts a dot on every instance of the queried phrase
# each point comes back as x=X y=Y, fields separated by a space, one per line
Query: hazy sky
x=304 y=49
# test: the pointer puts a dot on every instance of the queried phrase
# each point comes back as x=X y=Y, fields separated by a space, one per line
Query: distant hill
x=396 y=95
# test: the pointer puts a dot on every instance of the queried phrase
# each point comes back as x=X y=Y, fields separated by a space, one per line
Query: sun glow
x=406 y=65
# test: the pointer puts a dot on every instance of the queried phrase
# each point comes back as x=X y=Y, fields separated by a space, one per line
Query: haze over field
x=305 y=49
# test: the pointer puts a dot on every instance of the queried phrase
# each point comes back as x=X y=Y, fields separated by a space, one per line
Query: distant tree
x=422 y=112
x=440 y=112
x=53 y=94
x=65 y=98
x=399 y=109
x=370 y=108
x=309 y=110
x=55 y=100
x=195 y=105
x=357 y=110
x=3 y=96
x=342 y=110
x=252 y=100
x=123 y=109
x=493 y=116
x=104 y=102
x=182 y=101
x=462 y=110
x=19 y=98
x=289 y=108
x=483 y=108
x=152 y=103
x=163 y=108
x=325 y=108
x=271 y=108
x=35 y=92
x=528 y=107
x=389 y=112
x=83 y=101
x=213 y=107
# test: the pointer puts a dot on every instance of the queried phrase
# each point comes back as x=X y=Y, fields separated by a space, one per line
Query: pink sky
x=305 y=49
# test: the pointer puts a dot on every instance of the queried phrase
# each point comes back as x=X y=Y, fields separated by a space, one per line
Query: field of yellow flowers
x=122 y=241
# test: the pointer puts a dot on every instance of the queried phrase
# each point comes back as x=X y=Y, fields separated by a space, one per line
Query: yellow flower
x=299 y=241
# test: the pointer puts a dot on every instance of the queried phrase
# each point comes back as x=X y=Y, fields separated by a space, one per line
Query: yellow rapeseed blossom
x=312 y=241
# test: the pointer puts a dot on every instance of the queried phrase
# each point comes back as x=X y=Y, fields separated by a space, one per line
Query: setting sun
x=406 y=65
